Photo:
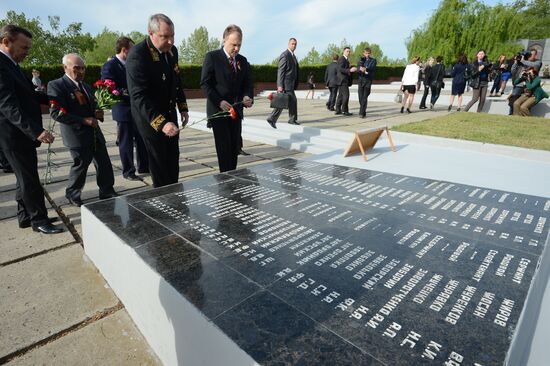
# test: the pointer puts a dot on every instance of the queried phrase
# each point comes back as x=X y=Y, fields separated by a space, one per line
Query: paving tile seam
x=37 y=254
x=64 y=218
x=73 y=328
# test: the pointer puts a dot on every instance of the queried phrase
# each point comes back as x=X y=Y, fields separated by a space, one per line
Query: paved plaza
x=56 y=307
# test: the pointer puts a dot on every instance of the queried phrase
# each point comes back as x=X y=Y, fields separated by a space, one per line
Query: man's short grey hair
x=65 y=60
x=154 y=22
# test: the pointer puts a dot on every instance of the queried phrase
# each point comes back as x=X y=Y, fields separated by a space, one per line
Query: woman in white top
x=408 y=83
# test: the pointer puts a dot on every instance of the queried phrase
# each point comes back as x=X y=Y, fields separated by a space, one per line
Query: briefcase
x=280 y=100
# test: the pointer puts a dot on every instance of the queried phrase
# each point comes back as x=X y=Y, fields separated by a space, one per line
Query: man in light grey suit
x=287 y=82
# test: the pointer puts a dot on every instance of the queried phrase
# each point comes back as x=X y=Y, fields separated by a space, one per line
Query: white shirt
x=121 y=60
x=410 y=76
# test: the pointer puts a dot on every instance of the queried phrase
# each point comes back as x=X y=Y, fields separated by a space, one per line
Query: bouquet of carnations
x=106 y=94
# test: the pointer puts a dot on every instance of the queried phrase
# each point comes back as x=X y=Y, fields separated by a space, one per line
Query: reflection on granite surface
x=355 y=266
x=210 y=286
x=274 y=333
x=131 y=225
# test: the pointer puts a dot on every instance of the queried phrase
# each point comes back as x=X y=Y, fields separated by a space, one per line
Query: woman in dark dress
x=459 y=82
x=311 y=85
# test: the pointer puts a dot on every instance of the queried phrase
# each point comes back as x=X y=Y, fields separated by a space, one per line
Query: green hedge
x=192 y=73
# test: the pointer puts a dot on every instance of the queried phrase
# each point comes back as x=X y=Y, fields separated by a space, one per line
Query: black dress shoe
x=133 y=177
x=423 y=107
x=106 y=196
x=27 y=223
x=7 y=169
x=338 y=112
x=272 y=123
x=347 y=114
x=143 y=171
x=294 y=123
x=75 y=201
x=47 y=229
x=243 y=153
x=331 y=109
x=363 y=116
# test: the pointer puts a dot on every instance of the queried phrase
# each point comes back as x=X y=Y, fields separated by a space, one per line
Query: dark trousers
x=435 y=94
x=364 y=92
x=4 y=164
x=496 y=84
x=127 y=135
x=342 y=101
x=82 y=157
x=292 y=109
x=227 y=136
x=332 y=97
x=424 y=96
x=28 y=190
x=163 y=153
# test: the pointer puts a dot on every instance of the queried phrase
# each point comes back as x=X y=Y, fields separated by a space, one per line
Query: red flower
x=53 y=104
x=270 y=96
x=233 y=113
x=98 y=84
x=109 y=84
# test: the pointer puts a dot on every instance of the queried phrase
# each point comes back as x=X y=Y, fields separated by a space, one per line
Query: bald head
x=74 y=66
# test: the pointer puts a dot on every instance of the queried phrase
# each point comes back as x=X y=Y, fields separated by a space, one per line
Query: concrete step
x=306 y=139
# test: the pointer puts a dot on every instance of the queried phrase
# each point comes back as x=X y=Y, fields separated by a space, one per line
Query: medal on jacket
x=163 y=77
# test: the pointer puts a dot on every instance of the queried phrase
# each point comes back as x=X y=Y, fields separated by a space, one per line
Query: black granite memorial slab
x=311 y=263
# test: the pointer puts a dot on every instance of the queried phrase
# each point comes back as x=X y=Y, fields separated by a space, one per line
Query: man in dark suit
x=21 y=129
x=227 y=83
x=75 y=108
x=155 y=88
x=287 y=81
x=343 y=79
x=366 y=69
x=330 y=82
x=115 y=70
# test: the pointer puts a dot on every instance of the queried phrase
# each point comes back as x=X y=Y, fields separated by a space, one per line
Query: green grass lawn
x=528 y=132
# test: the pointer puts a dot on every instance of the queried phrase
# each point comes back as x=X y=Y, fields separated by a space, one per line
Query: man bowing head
x=155 y=88
x=226 y=80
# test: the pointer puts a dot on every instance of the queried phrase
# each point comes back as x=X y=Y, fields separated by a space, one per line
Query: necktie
x=232 y=63
x=81 y=88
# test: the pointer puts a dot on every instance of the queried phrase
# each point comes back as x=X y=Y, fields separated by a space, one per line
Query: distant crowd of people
x=523 y=69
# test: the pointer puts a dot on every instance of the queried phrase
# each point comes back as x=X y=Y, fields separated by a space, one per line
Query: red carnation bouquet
x=106 y=94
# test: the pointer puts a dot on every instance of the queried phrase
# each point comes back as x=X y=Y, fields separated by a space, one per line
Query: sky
x=266 y=25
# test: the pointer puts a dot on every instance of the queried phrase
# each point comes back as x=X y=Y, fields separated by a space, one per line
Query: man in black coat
x=155 y=89
x=366 y=69
x=330 y=82
x=343 y=78
x=21 y=129
x=115 y=70
x=75 y=108
x=227 y=83
x=287 y=81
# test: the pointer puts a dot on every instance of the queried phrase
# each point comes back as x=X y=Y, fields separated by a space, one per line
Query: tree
x=104 y=47
x=331 y=50
x=312 y=58
x=49 y=45
x=465 y=26
x=193 y=50
x=535 y=19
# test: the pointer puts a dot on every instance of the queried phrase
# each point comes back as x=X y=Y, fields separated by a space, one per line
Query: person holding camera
x=533 y=92
x=479 y=80
x=522 y=61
